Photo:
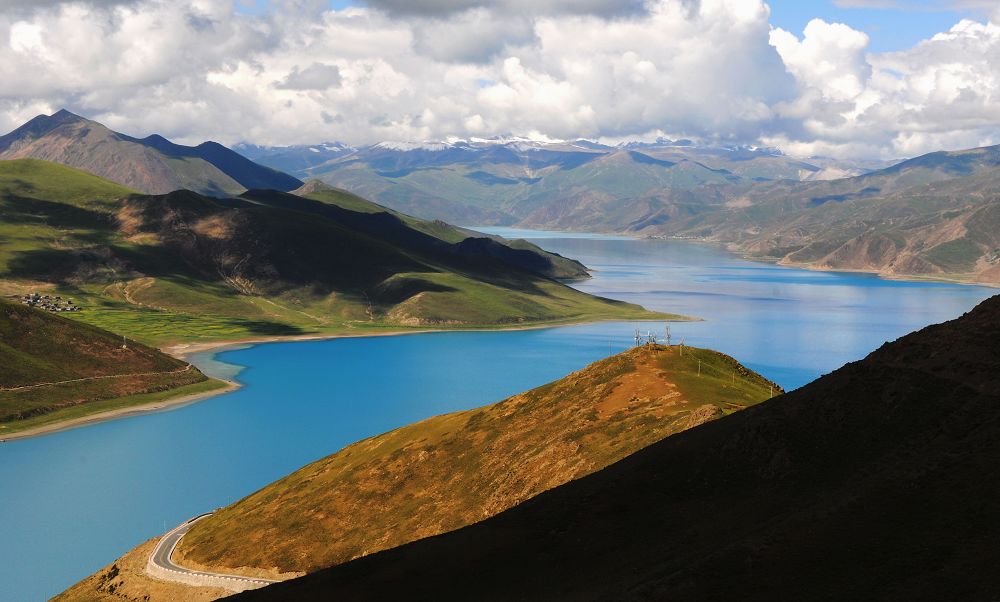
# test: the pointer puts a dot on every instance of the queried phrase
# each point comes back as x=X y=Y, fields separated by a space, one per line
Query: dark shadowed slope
x=152 y=165
x=517 y=252
x=876 y=482
x=233 y=164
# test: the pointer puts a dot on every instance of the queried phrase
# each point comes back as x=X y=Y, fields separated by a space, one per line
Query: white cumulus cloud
x=942 y=93
x=433 y=69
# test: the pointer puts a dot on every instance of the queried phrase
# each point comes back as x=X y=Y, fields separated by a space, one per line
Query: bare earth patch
x=126 y=580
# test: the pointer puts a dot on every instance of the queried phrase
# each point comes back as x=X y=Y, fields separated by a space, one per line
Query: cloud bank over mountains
x=432 y=69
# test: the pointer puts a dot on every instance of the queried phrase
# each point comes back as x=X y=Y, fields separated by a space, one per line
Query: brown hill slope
x=876 y=482
x=452 y=470
x=937 y=215
x=153 y=165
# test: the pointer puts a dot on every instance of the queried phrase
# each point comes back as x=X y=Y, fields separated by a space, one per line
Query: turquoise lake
x=73 y=501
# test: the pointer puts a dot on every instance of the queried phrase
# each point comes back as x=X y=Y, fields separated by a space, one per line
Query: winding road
x=161 y=566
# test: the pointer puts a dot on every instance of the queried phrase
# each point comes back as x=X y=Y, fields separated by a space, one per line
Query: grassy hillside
x=449 y=471
x=183 y=267
x=876 y=482
x=152 y=165
x=32 y=178
x=44 y=203
x=55 y=368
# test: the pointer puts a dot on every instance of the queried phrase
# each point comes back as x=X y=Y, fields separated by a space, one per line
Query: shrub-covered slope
x=53 y=366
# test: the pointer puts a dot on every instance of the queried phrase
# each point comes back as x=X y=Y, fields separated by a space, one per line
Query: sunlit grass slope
x=449 y=471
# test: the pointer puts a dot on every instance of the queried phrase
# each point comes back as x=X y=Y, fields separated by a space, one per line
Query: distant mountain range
x=875 y=482
x=574 y=185
x=935 y=215
x=294 y=159
x=152 y=165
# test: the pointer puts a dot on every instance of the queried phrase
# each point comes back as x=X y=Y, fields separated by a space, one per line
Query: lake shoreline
x=737 y=252
x=184 y=350
x=884 y=275
x=126 y=412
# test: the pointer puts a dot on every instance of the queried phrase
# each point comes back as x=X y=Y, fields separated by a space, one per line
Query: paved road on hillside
x=165 y=549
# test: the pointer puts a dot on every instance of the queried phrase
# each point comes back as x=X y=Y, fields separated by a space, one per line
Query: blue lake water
x=73 y=501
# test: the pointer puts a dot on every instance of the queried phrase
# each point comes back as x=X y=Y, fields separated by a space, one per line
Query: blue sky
x=888 y=28
x=896 y=28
